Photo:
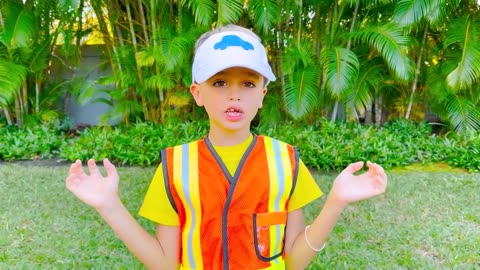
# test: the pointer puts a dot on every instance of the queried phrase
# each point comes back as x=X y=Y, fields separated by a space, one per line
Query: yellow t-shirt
x=156 y=205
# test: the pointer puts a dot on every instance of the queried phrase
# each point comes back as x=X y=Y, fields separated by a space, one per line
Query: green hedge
x=326 y=145
x=138 y=144
x=37 y=142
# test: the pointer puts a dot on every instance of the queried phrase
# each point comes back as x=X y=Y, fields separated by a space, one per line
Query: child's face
x=231 y=98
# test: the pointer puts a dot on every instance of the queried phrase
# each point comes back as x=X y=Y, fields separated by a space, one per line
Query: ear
x=264 y=92
x=195 y=91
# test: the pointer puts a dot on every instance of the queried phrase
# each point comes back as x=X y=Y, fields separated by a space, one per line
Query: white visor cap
x=230 y=49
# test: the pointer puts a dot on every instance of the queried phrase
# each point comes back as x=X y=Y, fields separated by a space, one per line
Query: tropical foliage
x=326 y=145
x=357 y=60
x=29 y=31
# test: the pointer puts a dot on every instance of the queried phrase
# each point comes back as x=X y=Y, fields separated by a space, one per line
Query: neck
x=227 y=138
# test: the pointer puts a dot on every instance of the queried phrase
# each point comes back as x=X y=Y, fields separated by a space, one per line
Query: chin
x=233 y=127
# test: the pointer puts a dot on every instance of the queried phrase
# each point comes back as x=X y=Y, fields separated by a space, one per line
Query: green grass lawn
x=426 y=220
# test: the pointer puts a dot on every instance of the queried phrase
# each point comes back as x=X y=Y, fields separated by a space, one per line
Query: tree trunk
x=153 y=22
x=18 y=110
x=368 y=114
x=144 y=23
x=299 y=32
x=139 y=69
x=7 y=115
x=279 y=52
x=378 y=111
x=81 y=6
x=417 y=73
x=24 y=97
x=352 y=26
x=37 y=96
x=349 y=45
x=334 y=112
x=109 y=45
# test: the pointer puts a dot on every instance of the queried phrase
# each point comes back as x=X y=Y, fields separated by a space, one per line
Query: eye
x=249 y=84
x=219 y=83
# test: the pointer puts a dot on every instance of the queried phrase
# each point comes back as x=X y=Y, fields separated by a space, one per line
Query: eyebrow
x=248 y=73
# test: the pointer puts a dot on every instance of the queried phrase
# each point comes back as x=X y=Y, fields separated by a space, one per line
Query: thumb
x=110 y=168
x=353 y=167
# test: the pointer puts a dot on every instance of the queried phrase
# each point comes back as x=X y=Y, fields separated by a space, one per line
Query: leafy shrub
x=36 y=142
x=325 y=145
x=333 y=145
x=139 y=144
x=463 y=151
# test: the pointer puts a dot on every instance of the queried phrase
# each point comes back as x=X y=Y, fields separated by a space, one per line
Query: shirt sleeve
x=306 y=189
x=156 y=204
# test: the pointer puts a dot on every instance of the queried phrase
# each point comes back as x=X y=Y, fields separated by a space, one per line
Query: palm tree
x=148 y=53
x=357 y=55
x=447 y=60
x=327 y=62
x=27 y=45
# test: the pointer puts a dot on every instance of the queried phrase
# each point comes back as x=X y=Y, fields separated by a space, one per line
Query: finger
x=375 y=168
x=110 y=168
x=75 y=173
x=354 y=167
x=380 y=184
x=76 y=168
x=92 y=167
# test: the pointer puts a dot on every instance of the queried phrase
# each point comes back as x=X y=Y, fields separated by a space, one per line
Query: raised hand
x=94 y=189
x=349 y=188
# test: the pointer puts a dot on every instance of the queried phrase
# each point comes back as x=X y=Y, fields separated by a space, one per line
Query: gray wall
x=90 y=68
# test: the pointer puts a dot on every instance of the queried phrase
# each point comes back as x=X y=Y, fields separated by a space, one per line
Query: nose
x=234 y=94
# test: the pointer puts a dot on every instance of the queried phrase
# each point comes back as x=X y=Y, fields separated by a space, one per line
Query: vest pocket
x=269 y=232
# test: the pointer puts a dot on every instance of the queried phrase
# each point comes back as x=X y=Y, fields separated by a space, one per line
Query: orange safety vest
x=231 y=222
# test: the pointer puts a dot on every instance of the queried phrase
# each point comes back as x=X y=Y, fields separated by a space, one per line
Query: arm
x=346 y=189
x=102 y=193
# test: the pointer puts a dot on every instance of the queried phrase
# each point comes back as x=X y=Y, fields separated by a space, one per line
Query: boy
x=232 y=200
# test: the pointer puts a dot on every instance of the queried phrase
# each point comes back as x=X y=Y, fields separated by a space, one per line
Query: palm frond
x=178 y=51
x=179 y=99
x=271 y=113
x=128 y=73
x=19 y=26
x=203 y=10
x=298 y=56
x=12 y=76
x=38 y=58
x=161 y=81
x=229 y=11
x=265 y=13
x=390 y=41
x=438 y=89
x=145 y=57
x=341 y=66
x=359 y=96
x=86 y=92
x=440 y=10
x=66 y=4
x=301 y=92
x=465 y=33
x=463 y=114
x=408 y=13
x=172 y=49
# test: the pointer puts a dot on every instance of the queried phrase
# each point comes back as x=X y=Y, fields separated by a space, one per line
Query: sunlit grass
x=426 y=220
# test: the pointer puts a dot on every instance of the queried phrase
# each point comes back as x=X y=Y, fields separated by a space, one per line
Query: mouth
x=233 y=111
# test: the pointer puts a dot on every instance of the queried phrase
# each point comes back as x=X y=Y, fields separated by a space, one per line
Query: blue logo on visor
x=232 y=40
